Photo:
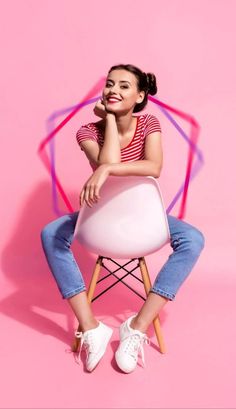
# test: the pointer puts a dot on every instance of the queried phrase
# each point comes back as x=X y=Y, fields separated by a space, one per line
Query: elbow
x=157 y=172
x=100 y=163
x=104 y=161
x=108 y=159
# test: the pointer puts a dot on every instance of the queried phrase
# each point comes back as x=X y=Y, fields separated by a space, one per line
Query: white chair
x=128 y=222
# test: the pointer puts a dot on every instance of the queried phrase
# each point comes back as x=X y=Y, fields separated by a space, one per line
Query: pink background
x=52 y=53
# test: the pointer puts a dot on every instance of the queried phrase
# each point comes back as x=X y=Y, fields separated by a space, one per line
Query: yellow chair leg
x=94 y=279
x=92 y=286
x=147 y=286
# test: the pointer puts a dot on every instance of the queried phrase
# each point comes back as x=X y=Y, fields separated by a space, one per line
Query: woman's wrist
x=106 y=167
x=110 y=116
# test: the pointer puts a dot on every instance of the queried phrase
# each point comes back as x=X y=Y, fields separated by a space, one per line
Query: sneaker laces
x=87 y=341
x=135 y=344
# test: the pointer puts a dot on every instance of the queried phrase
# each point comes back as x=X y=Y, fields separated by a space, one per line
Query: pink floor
x=197 y=371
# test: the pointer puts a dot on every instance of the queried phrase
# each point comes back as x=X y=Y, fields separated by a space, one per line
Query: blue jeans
x=186 y=242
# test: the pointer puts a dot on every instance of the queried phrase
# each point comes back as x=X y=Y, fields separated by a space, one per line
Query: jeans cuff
x=74 y=292
x=163 y=293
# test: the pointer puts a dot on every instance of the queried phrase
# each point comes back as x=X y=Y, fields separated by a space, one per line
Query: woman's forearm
x=110 y=152
x=139 y=167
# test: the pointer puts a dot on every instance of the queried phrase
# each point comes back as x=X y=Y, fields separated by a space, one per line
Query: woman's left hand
x=90 y=191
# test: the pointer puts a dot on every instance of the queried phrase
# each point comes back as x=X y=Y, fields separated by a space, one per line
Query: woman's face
x=120 y=93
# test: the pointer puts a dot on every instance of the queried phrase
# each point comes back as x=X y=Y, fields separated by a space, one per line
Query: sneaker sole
x=102 y=352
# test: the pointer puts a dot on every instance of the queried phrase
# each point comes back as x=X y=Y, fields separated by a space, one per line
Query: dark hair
x=146 y=82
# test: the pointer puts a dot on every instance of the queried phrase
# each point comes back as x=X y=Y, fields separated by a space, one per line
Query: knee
x=191 y=240
x=196 y=240
x=47 y=233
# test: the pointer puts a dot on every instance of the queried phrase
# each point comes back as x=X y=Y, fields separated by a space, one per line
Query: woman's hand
x=100 y=109
x=90 y=191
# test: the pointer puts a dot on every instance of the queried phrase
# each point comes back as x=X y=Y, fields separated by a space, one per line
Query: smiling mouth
x=112 y=100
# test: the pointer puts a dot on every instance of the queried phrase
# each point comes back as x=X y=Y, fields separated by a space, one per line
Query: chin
x=113 y=109
x=116 y=110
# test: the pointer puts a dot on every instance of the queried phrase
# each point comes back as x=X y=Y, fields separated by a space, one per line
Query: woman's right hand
x=100 y=109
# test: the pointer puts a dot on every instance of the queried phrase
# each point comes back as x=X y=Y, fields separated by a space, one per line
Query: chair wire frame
x=119 y=279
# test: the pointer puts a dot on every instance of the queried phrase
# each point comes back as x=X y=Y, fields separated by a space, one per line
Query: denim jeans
x=186 y=242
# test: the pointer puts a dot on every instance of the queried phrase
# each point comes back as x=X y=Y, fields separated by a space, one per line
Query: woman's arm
x=137 y=167
x=110 y=151
x=150 y=166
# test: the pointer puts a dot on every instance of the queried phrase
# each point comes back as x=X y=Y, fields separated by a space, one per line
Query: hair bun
x=152 y=85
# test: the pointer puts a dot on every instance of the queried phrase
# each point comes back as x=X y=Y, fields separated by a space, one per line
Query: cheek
x=132 y=98
x=132 y=95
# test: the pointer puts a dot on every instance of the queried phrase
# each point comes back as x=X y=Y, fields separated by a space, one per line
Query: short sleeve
x=85 y=132
x=152 y=125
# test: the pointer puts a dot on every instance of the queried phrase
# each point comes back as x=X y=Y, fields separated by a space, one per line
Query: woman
x=120 y=144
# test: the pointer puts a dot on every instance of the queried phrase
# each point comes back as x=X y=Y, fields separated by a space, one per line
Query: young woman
x=120 y=143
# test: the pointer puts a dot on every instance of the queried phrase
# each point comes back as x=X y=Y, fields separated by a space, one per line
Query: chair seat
x=128 y=221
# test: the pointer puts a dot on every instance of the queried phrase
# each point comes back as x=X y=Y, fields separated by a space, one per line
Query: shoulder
x=91 y=126
x=147 y=118
x=151 y=118
x=152 y=123
x=87 y=131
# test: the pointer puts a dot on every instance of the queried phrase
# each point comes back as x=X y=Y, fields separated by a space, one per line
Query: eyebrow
x=119 y=81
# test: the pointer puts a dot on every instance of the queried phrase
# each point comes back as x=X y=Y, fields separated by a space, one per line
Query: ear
x=140 y=97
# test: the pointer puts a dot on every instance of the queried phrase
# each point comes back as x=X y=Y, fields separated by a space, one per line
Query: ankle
x=91 y=324
x=138 y=324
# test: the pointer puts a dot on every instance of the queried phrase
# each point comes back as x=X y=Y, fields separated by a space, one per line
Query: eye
x=108 y=84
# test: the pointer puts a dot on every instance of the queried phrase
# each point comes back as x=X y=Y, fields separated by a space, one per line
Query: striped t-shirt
x=146 y=124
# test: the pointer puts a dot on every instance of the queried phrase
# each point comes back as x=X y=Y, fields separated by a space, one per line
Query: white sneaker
x=95 y=342
x=131 y=341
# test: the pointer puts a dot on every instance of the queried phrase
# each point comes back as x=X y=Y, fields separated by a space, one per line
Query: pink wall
x=52 y=52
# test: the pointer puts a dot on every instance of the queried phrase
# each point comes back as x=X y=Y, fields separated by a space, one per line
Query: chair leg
x=147 y=286
x=94 y=279
x=92 y=286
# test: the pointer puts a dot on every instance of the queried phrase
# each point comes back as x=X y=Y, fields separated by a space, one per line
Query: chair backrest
x=129 y=220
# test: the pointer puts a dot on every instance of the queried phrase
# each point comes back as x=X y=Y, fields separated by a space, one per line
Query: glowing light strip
x=192 y=141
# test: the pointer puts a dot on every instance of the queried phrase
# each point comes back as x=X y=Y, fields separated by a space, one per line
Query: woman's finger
x=86 y=196
x=96 y=193
x=91 y=193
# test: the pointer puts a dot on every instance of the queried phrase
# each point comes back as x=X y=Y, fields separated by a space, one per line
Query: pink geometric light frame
x=191 y=171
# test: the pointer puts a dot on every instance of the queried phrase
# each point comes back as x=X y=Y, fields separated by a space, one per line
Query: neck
x=125 y=123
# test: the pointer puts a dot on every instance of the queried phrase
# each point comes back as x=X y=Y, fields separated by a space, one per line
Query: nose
x=113 y=89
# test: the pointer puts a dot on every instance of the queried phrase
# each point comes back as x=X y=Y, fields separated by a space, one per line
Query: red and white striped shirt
x=146 y=124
